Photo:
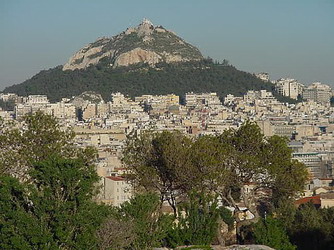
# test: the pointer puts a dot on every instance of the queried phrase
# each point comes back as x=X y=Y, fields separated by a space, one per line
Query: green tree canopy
x=136 y=80
x=270 y=232
x=312 y=228
x=155 y=161
x=261 y=167
x=140 y=221
x=197 y=221
x=39 y=136
x=238 y=165
x=55 y=210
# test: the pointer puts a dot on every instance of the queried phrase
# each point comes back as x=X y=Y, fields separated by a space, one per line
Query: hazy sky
x=286 y=38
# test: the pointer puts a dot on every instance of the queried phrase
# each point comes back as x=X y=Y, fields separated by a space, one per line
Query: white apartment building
x=8 y=96
x=61 y=110
x=312 y=160
x=289 y=87
x=37 y=99
x=169 y=100
x=253 y=95
x=34 y=103
x=207 y=99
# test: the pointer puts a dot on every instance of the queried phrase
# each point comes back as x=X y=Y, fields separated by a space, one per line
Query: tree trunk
x=172 y=204
x=249 y=201
x=221 y=231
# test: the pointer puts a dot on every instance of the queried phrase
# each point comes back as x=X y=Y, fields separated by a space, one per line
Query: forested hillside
x=177 y=78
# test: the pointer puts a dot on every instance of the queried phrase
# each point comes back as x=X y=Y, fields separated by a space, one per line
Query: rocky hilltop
x=86 y=97
x=145 y=43
x=157 y=62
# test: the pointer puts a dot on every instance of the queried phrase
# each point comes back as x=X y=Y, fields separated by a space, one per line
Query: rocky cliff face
x=145 y=43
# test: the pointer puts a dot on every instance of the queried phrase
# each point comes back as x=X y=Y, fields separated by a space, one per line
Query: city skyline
x=284 y=39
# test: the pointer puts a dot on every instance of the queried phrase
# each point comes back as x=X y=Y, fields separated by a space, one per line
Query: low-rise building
x=116 y=190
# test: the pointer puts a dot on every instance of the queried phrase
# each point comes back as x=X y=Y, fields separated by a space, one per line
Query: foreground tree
x=156 y=161
x=39 y=136
x=197 y=221
x=312 y=228
x=261 y=169
x=141 y=223
x=19 y=228
x=55 y=210
x=241 y=166
x=270 y=232
x=115 y=233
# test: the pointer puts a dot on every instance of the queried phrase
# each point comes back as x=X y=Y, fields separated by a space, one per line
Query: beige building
x=115 y=190
x=159 y=103
x=318 y=92
x=305 y=130
x=61 y=110
x=207 y=99
x=313 y=162
x=266 y=127
x=327 y=200
x=37 y=99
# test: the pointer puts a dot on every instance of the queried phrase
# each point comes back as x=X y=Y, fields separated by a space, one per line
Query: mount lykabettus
x=145 y=43
x=146 y=59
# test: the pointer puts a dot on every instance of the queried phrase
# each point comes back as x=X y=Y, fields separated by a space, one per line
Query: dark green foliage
x=227 y=216
x=41 y=138
x=157 y=161
x=253 y=156
x=19 y=227
x=149 y=225
x=49 y=205
x=55 y=210
x=270 y=232
x=65 y=189
x=174 y=166
x=177 y=78
x=197 y=221
x=308 y=227
x=145 y=222
x=285 y=210
x=140 y=224
x=313 y=228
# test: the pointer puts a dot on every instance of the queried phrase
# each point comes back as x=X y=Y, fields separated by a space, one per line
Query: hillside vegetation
x=136 y=80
